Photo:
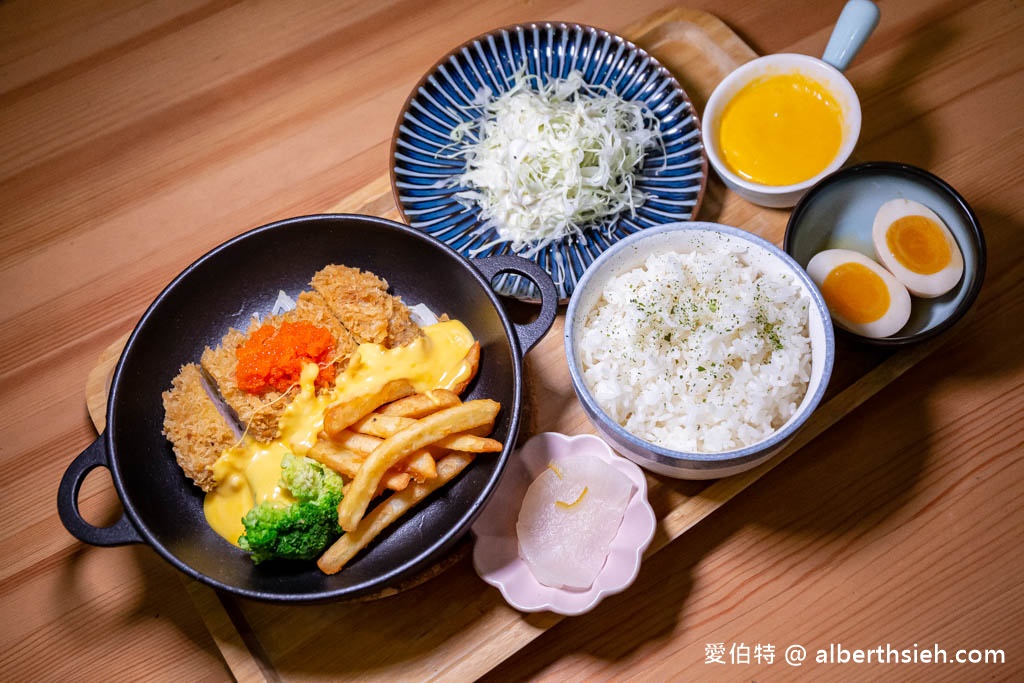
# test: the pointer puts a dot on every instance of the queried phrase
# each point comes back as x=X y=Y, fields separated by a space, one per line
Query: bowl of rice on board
x=698 y=349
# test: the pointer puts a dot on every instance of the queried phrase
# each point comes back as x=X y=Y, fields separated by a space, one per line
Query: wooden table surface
x=134 y=136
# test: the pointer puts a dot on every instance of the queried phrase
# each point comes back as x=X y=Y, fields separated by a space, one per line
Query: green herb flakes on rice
x=700 y=351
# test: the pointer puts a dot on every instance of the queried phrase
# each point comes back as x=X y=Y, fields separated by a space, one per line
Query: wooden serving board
x=455 y=627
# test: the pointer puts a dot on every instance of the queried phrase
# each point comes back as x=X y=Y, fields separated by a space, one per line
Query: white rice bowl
x=700 y=349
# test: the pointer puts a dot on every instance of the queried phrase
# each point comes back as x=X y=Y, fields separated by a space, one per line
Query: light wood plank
x=137 y=134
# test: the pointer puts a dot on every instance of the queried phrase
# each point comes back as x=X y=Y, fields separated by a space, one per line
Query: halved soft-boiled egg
x=917 y=247
x=862 y=296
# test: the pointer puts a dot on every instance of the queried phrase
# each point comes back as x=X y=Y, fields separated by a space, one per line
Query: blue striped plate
x=424 y=156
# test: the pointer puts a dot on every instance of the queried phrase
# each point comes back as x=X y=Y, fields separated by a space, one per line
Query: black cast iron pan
x=224 y=288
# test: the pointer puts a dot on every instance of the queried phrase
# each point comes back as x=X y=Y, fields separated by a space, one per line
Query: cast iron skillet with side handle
x=163 y=509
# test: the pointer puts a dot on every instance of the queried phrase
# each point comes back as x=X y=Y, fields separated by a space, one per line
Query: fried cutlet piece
x=359 y=299
x=401 y=328
x=257 y=414
x=361 y=302
x=311 y=307
x=260 y=413
x=195 y=427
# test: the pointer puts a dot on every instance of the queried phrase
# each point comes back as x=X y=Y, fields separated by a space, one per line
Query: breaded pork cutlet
x=195 y=427
x=193 y=423
x=261 y=412
x=361 y=302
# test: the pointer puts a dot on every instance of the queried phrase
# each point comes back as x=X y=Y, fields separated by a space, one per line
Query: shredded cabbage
x=550 y=160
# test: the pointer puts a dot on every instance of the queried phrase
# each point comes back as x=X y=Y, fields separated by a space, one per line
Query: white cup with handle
x=856 y=22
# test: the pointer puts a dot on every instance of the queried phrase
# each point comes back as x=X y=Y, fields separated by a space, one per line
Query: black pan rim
x=418 y=563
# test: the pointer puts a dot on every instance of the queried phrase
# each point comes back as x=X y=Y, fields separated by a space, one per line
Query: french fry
x=385 y=514
x=347 y=464
x=354 y=441
x=421 y=405
x=421 y=465
x=392 y=450
x=473 y=361
x=341 y=415
x=381 y=426
x=385 y=426
x=470 y=443
x=340 y=459
x=396 y=481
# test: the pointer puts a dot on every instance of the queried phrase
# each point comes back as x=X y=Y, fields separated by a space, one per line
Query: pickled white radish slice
x=569 y=516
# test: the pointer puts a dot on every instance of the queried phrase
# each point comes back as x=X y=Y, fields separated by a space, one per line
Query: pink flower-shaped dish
x=496 y=552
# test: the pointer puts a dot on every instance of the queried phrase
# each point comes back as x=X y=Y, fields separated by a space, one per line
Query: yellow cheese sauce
x=780 y=130
x=249 y=473
x=434 y=361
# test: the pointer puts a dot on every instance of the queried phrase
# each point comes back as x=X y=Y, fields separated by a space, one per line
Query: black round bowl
x=839 y=211
x=163 y=509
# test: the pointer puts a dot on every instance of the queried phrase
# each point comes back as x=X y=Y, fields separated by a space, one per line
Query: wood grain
x=702 y=50
x=135 y=135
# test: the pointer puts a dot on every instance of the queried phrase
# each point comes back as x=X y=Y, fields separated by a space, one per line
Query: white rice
x=698 y=352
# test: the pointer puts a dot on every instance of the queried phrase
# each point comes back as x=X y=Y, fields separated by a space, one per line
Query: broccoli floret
x=302 y=530
x=308 y=480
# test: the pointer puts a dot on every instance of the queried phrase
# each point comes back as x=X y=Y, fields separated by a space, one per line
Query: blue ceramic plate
x=424 y=157
x=839 y=211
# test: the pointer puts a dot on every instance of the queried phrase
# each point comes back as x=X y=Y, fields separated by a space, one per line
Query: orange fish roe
x=272 y=357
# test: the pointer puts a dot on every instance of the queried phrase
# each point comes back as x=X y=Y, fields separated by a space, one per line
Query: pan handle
x=530 y=333
x=121 y=533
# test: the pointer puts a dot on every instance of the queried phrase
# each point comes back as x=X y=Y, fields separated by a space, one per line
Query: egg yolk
x=855 y=292
x=918 y=244
x=781 y=130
